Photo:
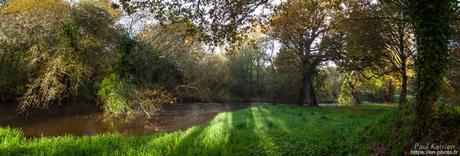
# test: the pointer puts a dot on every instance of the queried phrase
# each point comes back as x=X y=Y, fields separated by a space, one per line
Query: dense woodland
x=137 y=56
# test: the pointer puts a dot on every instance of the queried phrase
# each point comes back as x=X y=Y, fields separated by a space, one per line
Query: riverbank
x=267 y=130
x=260 y=130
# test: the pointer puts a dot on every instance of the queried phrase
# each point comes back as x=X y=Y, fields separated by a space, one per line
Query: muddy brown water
x=171 y=117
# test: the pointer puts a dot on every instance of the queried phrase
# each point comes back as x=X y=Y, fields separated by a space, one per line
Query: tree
x=433 y=27
x=352 y=80
x=246 y=67
x=400 y=46
x=175 y=43
x=304 y=27
x=379 y=36
x=13 y=72
x=285 y=77
x=58 y=40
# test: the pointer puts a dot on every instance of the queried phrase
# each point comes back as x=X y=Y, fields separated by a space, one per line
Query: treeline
x=55 y=52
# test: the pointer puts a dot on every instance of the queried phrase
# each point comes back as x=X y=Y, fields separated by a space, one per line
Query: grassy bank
x=394 y=135
x=263 y=130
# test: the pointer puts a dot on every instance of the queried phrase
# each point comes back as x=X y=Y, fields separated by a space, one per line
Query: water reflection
x=172 y=117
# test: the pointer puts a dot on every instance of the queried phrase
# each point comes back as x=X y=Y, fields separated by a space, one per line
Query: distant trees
x=286 y=76
x=227 y=22
x=247 y=71
x=327 y=83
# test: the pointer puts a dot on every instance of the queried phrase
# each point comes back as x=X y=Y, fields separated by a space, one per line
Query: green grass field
x=262 y=130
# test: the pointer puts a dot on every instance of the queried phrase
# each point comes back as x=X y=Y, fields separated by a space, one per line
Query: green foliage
x=284 y=82
x=125 y=90
x=10 y=137
x=263 y=130
x=394 y=134
x=345 y=97
x=364 y=41
x=283 y=87
x=13 y=74
x=116 y=94
x=151 y=70
x=121 y=97
x=108 y=85
x=328 y=84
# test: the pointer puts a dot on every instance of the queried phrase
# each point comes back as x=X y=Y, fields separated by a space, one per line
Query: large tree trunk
x=353 y=92
x=390 y=92
x=311 y=97
x=302 y=94
x=432 y=21
x=402 y=95
x=403 y=57
x=307 y=90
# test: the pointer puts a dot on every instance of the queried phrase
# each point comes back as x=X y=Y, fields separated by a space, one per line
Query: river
x=170 y=118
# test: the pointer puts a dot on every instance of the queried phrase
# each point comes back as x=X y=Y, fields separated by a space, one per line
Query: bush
x=116 y=94
x=121 y=97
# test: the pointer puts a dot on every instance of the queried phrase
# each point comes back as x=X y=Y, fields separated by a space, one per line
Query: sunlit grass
x=262 y=130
